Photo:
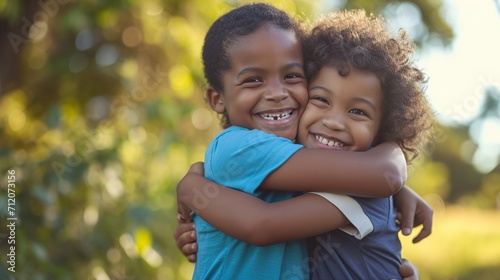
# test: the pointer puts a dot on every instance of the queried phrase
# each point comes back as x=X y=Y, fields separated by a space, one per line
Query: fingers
x=197 y=168
x=406 y=218
x=408 y=271
x=184 y=233
x=424 y=217
x=426 y=229
x=185 y=238
x=190 y=251
x=180 y=219
x=183 y=216
x=191 y=258
x=421 y=235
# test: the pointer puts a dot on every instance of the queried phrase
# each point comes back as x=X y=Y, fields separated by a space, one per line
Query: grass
x=465 y=244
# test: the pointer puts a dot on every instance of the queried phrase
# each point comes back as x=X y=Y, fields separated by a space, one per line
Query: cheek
x=302 y=97
x=309 y=116
x=370 y=134
x=304 y=123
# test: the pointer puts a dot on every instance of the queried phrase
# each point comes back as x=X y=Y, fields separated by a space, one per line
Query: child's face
x=343 y=112
x=266 y=87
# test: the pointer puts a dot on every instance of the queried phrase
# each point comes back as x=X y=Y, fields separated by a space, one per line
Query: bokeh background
x=102 y=113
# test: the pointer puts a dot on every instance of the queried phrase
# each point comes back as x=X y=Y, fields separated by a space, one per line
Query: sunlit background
x=102 y=113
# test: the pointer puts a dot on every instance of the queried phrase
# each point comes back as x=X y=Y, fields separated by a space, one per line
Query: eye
x=252 y=80
x=357 y=112
x=294 y=77
x=319 y=98
x=319 y=101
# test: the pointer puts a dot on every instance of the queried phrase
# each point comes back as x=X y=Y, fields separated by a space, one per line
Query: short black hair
x=228 y=28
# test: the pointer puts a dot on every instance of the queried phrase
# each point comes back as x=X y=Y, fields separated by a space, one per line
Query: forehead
x=357 y=84
x=267 y=41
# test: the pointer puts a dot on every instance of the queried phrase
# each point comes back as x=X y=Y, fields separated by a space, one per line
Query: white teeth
x=276 y=117
x=330 y=143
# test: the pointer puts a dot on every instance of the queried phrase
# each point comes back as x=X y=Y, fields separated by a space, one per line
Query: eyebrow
x=359 y=99
x=256 y=69
x=367 y=102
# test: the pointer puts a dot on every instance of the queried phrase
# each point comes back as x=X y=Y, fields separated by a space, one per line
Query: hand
x=397 y=176
x=185 y=212
x=408 y=271
x=185 y=238
x=412 y=211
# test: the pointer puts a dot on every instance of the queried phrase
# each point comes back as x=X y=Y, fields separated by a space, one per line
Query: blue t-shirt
x=345 y=254
x=241 y=159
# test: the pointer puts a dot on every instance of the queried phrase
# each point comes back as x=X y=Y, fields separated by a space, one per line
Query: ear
x=215 y=100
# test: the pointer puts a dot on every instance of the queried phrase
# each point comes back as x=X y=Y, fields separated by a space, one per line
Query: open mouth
x=276 y=117
x=329 y=142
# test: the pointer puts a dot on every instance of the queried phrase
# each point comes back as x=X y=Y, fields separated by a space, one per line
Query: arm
x=413 y=211
x=254 y=221
x=379 y=172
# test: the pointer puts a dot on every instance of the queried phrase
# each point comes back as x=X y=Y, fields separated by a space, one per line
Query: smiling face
x=343 y=112
x=266 y=87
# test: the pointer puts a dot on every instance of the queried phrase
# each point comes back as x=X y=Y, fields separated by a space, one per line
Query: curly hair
x=350 y=38
x=230 y=27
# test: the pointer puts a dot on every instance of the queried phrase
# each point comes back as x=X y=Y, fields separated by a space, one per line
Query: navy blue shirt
x=340 y=255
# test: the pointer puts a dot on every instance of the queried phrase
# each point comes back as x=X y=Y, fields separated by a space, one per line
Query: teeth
x=330 y=143
x=276 y=117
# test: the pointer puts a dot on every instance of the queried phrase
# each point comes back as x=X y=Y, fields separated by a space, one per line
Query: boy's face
x=343 y=112
x=266 y=87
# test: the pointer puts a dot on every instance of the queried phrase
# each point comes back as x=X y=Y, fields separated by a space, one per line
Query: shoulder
x=380 y=211
x=250 y=134
x=236 y=137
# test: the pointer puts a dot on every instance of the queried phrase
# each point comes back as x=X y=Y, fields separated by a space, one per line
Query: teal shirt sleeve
x=241 y=159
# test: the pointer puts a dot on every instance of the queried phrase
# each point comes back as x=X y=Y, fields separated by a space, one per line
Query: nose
x=334 y=120
x=276 y=92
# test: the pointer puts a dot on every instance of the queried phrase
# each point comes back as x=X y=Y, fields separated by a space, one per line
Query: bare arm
x=379 y=172
x=254 y=221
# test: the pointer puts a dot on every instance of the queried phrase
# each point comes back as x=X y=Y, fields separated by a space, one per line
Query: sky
x=459 y=74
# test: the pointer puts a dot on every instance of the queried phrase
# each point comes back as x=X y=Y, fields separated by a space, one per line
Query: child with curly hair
x=365 y=90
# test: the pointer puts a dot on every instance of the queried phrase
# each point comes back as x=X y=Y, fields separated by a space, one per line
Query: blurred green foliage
x=101 y=114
